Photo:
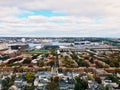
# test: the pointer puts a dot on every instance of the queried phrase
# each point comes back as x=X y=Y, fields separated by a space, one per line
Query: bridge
x=85 y=49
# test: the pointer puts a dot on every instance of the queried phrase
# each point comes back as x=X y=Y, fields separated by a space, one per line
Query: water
x=52 y=43
x=33 y=45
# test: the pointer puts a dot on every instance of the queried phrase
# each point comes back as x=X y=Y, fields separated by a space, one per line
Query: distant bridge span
x=84 y=50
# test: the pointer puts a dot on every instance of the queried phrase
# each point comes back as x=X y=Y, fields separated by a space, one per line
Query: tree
x=117 y=70
x=20 y=69
x=106 y=87
x=80 y=84
x=114 y=79
x=27 y=61
x=51 y=63
x=84 y=63
x=30 y=76
x=97 y=79
x=74 y=56
x=35 y=56
x=87 y=56
x=40 y=63
x=52 y=85
x=66 y=58
x=53 y=52
x=84 y=83
x=29 y=88
x=56 y=79
x=60 y=70
x=7 y=82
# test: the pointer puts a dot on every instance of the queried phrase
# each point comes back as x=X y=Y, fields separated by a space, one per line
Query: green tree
x=7 y=82
x=84 y=83
x=74 y=56
x=5 y=85
x=80 y=84
x=27 y=61
x=30 y=76
x=53 y=52
x=29 y=88
x=40 y=63
x=106 y=87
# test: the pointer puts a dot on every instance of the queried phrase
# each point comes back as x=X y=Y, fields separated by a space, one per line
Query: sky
x=60 y=18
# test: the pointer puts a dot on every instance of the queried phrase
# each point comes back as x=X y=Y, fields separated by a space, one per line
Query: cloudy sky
x=80 y=18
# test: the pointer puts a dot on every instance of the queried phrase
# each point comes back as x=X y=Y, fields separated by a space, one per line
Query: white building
x=3 y=45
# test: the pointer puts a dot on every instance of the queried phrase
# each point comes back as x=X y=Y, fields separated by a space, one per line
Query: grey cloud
x=81 y=19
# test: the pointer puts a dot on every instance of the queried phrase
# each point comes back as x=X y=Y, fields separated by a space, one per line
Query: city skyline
x=60 y=18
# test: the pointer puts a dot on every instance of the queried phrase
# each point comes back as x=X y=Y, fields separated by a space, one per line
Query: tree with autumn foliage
x=54 y=84
x=30 y=76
